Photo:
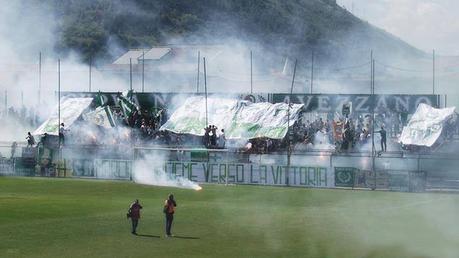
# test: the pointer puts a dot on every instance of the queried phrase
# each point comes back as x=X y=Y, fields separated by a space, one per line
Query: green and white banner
x=101 y=116
x=344 y=176
x=250 y=173
x=127 y=106
x=240 y=119
x=70 y=110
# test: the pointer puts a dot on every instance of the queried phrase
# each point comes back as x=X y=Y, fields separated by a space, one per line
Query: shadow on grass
x=145 y=235
x=186 y=237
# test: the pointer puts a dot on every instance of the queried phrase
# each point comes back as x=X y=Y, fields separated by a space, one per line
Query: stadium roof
x=133 y=55
x=180 y=53
x=156 y=53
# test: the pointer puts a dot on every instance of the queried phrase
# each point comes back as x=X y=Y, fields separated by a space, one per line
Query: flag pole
x=143 y=71
x=39 y=78
x=59 y=95
x=289 y=146
x=90 y=73
x=205 y=90
x=197 y=78
x=130 y=78
x=251 y=72
x=58 y=112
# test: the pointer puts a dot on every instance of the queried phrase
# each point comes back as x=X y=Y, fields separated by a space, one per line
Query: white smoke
x=322 y=141
x=150 y=171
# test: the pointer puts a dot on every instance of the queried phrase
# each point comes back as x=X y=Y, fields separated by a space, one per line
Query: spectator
x=134 y=214
x=30 y=140
x=14 y=146
x=169 y=210
x=44 y=140
x=61 y=134
x=213 y=137
x=206 y=137
x=383 y=134
x=222 y=139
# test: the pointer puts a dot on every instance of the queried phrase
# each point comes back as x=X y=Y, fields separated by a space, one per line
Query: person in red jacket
x=134 y=214
x=169 y=210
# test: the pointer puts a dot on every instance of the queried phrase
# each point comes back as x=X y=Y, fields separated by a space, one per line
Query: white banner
x=240 y=119
x=425 y=126
x=71 y=109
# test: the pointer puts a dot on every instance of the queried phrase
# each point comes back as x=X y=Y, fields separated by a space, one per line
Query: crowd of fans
x=341 y=134
x=144 y=125
x=142 y=128
x=344 y=133
x=213 y=140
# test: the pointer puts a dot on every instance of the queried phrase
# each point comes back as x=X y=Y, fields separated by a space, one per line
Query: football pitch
x=42 y=217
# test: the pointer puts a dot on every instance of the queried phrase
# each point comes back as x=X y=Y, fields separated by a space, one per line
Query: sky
x=425 y=24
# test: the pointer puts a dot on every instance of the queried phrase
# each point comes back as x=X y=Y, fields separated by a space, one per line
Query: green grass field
x=42 y=217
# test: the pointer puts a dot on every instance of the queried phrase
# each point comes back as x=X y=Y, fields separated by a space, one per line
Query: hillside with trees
x=102 y=29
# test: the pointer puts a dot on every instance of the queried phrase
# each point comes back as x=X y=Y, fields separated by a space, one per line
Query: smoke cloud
x=150 y=171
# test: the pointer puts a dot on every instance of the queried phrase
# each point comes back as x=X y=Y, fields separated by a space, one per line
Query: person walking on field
x=169 y=210
x=134 y=214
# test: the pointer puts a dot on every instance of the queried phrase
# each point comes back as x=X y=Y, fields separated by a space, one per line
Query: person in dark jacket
x=383 y=134
x=169 y=210
x=134 y=214
x=30 y=140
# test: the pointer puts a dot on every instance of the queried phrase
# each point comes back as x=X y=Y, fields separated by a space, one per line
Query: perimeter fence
x=396 y=171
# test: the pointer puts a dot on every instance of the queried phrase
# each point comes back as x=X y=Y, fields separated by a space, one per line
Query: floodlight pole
x=251 y=72
x=433 y=72
x=90 y=73
x=205 y=91
x=373 y=101
x=59 y=94
x=58 y=111
x=39 y=78
x=312 y=70
x=197 y=77
x=371 y=73
x=130 y=74
x=143 y=71
x=289 y=146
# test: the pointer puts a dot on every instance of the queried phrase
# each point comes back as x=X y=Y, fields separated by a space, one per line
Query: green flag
x=127 y=106
x=100 y=100
x=109 y=112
